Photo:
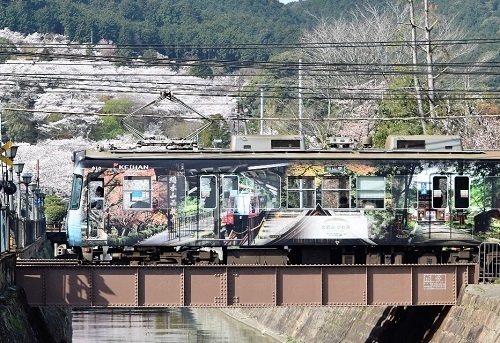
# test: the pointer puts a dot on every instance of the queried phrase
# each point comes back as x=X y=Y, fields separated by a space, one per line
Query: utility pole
x=416 y=83
x=430 y=62
x=300 y=96
x=262 y=111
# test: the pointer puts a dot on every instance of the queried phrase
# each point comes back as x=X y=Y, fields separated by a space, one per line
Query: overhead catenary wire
x=111 y=82
x=312 y=119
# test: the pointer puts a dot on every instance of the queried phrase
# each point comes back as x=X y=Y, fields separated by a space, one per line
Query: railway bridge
x=69 y=283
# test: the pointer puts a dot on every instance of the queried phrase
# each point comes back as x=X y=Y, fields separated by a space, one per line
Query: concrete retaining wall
x=7 y=276
x=20 y=323
x=475 y=319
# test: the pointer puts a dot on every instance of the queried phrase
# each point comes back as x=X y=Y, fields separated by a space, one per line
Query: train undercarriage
x=283 y=255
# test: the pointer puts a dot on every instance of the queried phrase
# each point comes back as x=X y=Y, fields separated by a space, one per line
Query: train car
x=419 y=200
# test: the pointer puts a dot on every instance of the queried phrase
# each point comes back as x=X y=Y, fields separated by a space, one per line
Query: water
x=165 y=325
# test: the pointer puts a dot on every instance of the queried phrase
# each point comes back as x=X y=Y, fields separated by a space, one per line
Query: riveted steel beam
x=49 y=284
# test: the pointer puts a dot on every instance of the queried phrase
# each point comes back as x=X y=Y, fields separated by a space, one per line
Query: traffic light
x=461 y=192
x=439 y=191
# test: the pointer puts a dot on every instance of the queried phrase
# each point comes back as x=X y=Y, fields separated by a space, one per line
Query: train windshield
x=76 y=192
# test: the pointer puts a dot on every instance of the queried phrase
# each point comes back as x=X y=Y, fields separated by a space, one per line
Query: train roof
x=419 y=147
x=355 y=154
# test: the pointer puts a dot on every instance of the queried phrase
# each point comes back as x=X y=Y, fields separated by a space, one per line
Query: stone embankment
x=20 y=323
x=474 y=319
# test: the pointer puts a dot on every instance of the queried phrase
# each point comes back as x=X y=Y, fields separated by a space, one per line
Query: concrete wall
x=475 y=319
x=7 y=276
x=20 y=323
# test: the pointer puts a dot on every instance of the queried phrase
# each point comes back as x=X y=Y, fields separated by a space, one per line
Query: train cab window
x=76 y=192
x=96 y=194
x=370 y=192
x=301 y=192
x=335 y=192
x=136 y=192
x=461 y=191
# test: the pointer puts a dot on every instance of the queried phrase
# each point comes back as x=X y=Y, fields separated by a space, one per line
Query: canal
x=166 y=325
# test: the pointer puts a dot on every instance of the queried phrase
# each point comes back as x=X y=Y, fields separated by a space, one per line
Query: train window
x=285 y=143
x=403 y=191
x=335 y=192
x=208 y=191
x=76 y=192
x=136 y=192
x=461 y=192
x=370 y=191
x=301 y=192
x=230 y=186
x=96 y=194
x=439 y=191
x=492 y=192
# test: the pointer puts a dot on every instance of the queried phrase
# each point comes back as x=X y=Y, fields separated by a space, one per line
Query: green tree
x=150 y=56
x=400 y=103
x=18 y=126
x=201 y=70
x=54 y=208
x=123 y=56
x=115 y=106
x=216 y=135
x=108 y=127
x=7 y=48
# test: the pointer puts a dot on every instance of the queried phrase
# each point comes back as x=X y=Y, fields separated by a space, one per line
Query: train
x=268 y=199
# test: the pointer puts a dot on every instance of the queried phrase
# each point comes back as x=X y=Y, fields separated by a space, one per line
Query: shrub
x=54 y=208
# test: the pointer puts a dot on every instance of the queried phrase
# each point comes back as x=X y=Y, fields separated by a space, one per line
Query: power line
x=291 y=118
x=260 y=46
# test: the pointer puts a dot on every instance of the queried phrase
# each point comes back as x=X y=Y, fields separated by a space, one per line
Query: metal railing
x=26 y=232
x=489 y=259
x=189 y=226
